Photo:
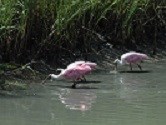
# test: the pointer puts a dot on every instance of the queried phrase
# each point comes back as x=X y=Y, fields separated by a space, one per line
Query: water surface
x=109 y=98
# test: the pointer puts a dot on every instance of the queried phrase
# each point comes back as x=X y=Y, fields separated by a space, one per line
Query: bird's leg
x=139 y=66
x=74 y=85
x=116 y=67
x=130 y=67
x=83 y=79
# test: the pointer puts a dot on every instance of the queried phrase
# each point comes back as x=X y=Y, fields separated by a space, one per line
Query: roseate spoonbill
x=81 y=63
x=131 y=58
x=73 y=73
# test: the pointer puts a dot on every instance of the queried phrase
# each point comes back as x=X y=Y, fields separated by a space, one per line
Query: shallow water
x=109 y=98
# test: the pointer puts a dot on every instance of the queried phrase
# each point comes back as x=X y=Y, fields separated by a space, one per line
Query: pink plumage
x=131 y=58
x=83 y=64
x=79 y=63
x=75 y=71
x=91 y=64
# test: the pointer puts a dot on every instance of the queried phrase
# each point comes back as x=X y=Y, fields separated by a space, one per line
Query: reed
x=36 y=29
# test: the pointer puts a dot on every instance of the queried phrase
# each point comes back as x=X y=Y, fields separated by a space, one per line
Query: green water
x=109 y=98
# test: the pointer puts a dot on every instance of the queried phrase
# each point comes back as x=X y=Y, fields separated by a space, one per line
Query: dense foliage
x=49 y=29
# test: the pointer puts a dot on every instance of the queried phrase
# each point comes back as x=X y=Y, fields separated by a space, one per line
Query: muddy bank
x=19 y=77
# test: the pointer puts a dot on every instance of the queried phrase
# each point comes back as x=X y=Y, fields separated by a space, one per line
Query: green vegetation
x=37 y=29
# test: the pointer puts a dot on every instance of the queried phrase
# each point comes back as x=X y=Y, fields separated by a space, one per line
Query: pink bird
x=81 y=63
x=131 y=58
x=73 y=73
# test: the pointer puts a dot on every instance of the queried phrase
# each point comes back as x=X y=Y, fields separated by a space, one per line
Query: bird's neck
x=119 y=62
x=59 y=69
x=53 y=76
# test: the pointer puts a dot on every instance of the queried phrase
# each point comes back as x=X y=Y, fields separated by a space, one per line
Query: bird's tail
x=144 y=56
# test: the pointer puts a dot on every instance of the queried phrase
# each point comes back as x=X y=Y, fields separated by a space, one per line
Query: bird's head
x=116 y=62
x=53 y=76
x=56 y=77
x=48 y=77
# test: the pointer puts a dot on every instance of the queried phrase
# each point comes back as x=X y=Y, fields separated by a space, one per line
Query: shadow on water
x=136 y=71
x=80 y=85
x=77 y=87
x=88 y=82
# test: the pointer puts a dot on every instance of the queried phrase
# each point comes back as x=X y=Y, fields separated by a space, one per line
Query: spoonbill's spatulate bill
x=131 y=58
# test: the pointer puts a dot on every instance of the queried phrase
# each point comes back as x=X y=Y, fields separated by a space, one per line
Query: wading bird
x=73 y=73
x=81 y=63
x=131 y=58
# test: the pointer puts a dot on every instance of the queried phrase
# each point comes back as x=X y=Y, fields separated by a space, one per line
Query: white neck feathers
x=53 y=76
x=119 y=62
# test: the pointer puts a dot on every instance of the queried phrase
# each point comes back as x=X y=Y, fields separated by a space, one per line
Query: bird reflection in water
x=80 y=99
x=131 y=88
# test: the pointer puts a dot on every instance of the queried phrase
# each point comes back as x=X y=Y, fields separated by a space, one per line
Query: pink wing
x=91 y=64
x=134 y=58
x=76 y=72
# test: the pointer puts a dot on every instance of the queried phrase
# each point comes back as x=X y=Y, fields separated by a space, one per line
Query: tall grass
x=44 y=28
